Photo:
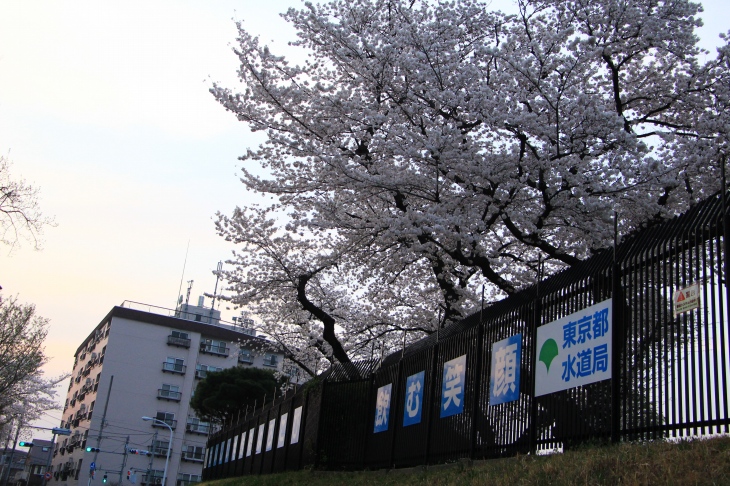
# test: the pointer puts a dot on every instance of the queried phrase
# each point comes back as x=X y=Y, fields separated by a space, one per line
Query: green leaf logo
x=548 y=352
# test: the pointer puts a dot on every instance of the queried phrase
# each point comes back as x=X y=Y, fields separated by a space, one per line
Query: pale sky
x=105 y=107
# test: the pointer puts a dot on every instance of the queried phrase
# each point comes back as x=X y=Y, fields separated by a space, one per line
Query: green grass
x=697 y=462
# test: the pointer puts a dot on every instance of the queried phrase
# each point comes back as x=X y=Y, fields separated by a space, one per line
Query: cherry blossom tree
x=24 y=392
x=20 y=214
x=425 y=149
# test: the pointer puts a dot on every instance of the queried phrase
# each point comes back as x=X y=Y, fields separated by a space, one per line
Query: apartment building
x=130 y=390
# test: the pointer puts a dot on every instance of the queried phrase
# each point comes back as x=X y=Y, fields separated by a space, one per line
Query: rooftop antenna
x=183 y=275
x=190 y=287
x=217 y=277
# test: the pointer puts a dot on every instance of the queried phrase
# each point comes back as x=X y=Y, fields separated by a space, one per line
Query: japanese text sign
x=382 y=408
x=504 y=383
x=452 y=389
x=414 y=399
x=574 y=350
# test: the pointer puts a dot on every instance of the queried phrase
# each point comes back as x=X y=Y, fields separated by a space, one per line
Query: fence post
x=303 y=425
x=475 y=408
x=372 y=398
x=537 y=306
x=397 y=407
x=432 y=400
x=616 y=335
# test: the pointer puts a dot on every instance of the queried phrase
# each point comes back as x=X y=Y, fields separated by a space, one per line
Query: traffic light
x=139 y=451
x=92 y=449
x=25 y=444
x=104 y=480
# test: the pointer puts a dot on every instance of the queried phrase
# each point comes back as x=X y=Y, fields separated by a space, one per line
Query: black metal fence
x=669 y=371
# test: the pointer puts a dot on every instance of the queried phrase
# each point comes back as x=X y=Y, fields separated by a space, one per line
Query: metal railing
x=171 y=422
x=169 y=394
x=213 y=349
x=203 y=429
x=178 y=341
x=174 y=368
x=669 y=375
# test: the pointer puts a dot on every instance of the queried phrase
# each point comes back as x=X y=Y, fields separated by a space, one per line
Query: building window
x=271 y=359
x=197 y=426
x=159 y=447
x=245 y=356
x=169 y=392
x=178 y=338
x=214 y=346
x=167 y=417
x=174 y=365
x=201 y=370
x=193 y=453
x=184 y=479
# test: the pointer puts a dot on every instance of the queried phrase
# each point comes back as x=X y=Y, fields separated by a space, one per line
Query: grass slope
x=696 y=462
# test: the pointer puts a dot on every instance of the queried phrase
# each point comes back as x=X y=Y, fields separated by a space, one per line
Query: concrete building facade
x=147 y=363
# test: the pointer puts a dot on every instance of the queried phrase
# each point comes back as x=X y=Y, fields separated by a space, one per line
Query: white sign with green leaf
x=574 y=350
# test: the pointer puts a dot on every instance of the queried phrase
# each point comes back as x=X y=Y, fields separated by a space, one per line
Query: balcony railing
x=212 y=349
x=174 y=368
x=202 y=429
x=172 y=423
x=159 y=450
x=192 y=456
x=152 y=479
x=178 y=341
x=174 y=396
x=187 y=482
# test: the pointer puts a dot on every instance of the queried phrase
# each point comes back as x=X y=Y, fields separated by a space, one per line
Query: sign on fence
x=504 y=383
x=574 y=350
x=414 y=399
x=382 y=408
x=295 y=424
x=452 y=390
x=270 y=435
x=282 y=431
x=260 y=439
x=249 y=448
x=686 y=299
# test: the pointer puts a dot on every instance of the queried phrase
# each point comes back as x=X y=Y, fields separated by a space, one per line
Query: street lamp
x=169 y=445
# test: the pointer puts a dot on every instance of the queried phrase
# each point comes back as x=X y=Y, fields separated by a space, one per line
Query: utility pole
x=101 y=427
x=124 y=461
x=5 y=451
x=152 y=456
x=12 y=452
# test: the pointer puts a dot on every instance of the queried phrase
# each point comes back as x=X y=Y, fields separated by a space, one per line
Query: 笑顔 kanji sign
x=504 y=383
x=452 y=390
x=574 y=350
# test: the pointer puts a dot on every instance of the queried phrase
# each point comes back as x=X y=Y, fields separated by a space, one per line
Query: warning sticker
x=686 y=299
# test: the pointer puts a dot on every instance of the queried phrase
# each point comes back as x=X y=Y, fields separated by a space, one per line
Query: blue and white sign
x=414 y=399
x=574 y=350
x=504 y=383
x=382 y=408
x=452 y=390
x=295 y=425
x=270 y=435
x=281 y=442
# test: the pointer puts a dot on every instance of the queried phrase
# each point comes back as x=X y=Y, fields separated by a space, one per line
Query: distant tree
x=20 y=213
x=23 y=390
x=223 y=395
x=426 y=148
